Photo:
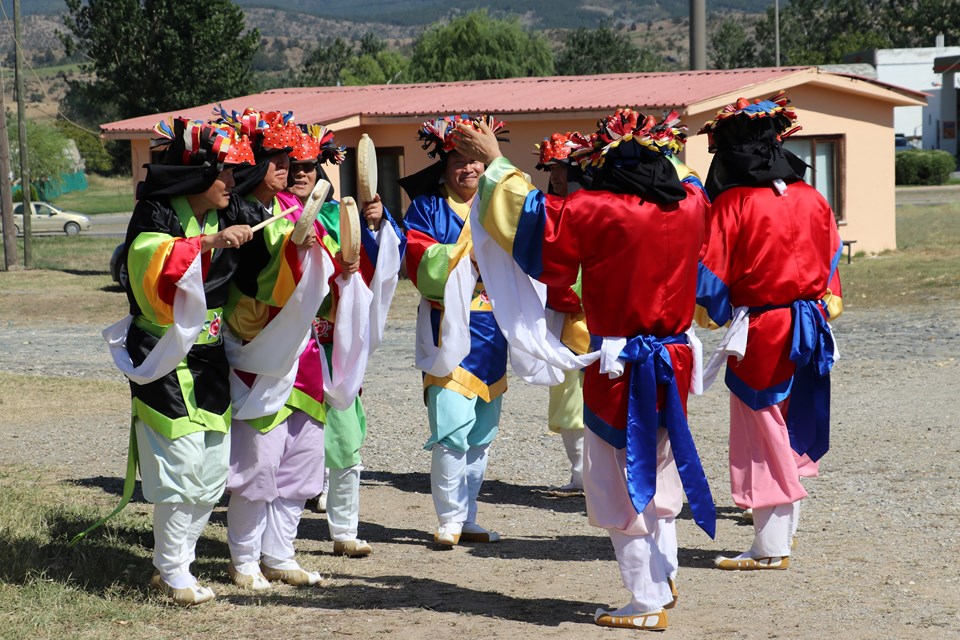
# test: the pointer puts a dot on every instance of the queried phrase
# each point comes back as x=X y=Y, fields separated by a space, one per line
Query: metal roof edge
x=763 y=88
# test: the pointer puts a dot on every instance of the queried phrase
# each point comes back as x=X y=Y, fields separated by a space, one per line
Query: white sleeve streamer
x=384 y=283
x=189 y=317
x=734 y=343
x=454 y=324
x=273 y=354
x=519 y=303
x=351 y=343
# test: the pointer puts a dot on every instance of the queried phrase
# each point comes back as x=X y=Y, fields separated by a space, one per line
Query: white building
x=914 y=69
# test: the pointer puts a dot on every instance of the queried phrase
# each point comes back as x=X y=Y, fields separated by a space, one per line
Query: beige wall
x=867 y=174
x=139 y=156
x=524 y=132
x=867 y=170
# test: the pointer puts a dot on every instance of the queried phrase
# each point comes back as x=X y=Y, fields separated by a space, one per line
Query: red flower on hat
x=307 y=149
x=554 y=149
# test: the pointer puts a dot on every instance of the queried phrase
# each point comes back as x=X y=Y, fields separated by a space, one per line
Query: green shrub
x=18 y=197
x=916 y=166
x=96 y=157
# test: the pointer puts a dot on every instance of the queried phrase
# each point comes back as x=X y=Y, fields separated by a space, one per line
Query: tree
x=916 y=23
x=385 y=67
x=731 y=47
x=94 y=152
x=476 y=46
x=339 y=62
x=324 y=65
x=814 y=32
x=48 y=151
x=156 y=55
x=603 y=50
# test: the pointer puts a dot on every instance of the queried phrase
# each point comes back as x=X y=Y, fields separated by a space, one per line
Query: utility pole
x=776 y=30
x=6 y=193
x=698 y=34
x=22 y=136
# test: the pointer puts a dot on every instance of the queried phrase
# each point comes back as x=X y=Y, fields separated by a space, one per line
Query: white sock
x=573 y=444
x=176 y=529
x=794 y=519
x=246 y=522
x=666 y=539
x=772 y=526
x=283 y=519
x=448 y=484
x=644 y=571
x=343 y=503
x=476 y=468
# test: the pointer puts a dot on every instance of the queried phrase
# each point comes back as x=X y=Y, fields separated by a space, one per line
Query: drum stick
x=273 y=219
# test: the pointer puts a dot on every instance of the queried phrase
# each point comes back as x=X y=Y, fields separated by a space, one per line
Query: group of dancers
x=250 y=328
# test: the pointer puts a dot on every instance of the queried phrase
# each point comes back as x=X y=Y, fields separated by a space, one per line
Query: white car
x=47 y=217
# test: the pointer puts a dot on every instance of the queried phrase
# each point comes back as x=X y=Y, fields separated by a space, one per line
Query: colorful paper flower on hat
x=316 y=143
x=775 y=107
x=330 y=151
x=307 y=149
x=438 y=134
x=266 y=129
x=553 y=150
x=200 y=142
x=666 y=137
x=241 y=151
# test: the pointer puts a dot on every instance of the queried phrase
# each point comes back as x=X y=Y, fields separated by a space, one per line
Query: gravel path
x=877 y=550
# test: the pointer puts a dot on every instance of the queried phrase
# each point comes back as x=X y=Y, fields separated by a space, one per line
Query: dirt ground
x=877 y=552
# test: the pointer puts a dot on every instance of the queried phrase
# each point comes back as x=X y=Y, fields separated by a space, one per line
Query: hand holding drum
x=366 y=172
x=311 y=208
x=349 y=230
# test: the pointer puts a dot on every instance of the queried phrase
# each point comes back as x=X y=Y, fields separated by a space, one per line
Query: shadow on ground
x=492 y=491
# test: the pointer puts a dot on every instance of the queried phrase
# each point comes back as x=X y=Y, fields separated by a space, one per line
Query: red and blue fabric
x=651 y=369
x=713 y=294
x=812 y=350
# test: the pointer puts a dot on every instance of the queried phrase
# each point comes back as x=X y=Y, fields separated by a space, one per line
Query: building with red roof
x=847 y=121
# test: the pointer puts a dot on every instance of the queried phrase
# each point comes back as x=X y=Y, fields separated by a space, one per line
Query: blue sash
x=812 y=348
x=652 y=367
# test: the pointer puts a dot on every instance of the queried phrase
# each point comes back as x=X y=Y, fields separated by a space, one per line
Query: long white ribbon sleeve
x=351 y=343
x=454 y=325
x=537 y=354
x=189 y=317
x=519 y=303
x=734 y=343
x=273 y=354
x=384 y=283
x=361 y=318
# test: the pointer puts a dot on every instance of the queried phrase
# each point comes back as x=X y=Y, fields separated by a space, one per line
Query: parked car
x=118 y=269
x=47 y=217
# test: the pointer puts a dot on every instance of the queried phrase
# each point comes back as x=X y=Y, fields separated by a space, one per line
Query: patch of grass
x=97 y=589
x=102 y=195
x=82 y=296
x=51 y=590
x=70 y=280
x=926 y=268
x=84 y=255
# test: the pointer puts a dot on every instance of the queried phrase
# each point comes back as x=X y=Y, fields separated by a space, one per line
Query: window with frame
x=824 y=154
x=389 y=170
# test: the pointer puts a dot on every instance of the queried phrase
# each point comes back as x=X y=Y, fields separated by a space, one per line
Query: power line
x=19 y=51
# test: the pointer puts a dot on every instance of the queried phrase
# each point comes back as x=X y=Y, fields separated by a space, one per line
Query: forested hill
x=551 y=14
